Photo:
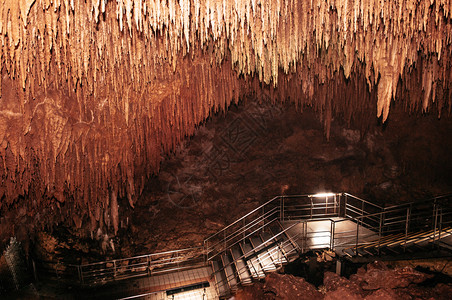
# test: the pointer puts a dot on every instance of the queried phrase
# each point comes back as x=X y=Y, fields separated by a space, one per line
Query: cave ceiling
x=93 y=92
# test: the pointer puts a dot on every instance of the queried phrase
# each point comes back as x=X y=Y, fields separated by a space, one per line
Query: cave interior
x=137 y=126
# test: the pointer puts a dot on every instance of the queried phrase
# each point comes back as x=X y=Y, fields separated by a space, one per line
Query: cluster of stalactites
x=261 y=36
x=102 y=85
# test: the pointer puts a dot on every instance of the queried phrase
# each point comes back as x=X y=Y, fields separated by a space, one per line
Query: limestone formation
x=92 y=92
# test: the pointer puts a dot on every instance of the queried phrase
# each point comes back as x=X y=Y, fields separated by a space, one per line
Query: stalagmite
x=93 y=91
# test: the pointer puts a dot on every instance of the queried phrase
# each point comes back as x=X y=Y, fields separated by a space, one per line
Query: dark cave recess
x=229 y=168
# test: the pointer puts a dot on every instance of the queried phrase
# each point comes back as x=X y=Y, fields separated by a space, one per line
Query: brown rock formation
x=278 y=286
x=92 y=92
x=388 y=284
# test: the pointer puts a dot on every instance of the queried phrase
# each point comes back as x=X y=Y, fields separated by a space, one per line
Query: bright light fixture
x=321 y=239
x=320 y=195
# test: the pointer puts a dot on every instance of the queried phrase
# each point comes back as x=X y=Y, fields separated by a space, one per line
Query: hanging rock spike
x=92 y=90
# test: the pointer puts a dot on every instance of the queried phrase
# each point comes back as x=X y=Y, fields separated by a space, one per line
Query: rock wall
x=92 y=92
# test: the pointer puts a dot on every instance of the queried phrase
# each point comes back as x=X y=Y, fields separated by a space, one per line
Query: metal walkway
x=286 y=226
x=281 y=229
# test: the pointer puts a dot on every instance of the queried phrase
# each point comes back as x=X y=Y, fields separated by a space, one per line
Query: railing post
x=80 y=275
x=333 y=230
x=148 y=265
x=406 y=227
x=244 y=232
x=206 y=252
x=303 y=240
x=362 y=209
x=440 y=224
x=282 y=208
x=311 y=206
x=114 y=270
x=357 y=236
x=306 y=236
x=326 y=205
x=435 y=219
x=224 y=239
x=380 y=230
x=345 y=205
x=335 y=205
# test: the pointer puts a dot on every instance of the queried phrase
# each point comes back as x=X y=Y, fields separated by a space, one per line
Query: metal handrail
x=243 y=229
x=362 y=200
x=282 y=211
x=401 y=218
x=445 y=196
x=241 y=219
x=142 y=256
x=259 y=208
x=263 y=256
x=407 y=218
x=379 y=221
x=139 y=265
x=263 y=266
x=260 y=247
x=246 y=236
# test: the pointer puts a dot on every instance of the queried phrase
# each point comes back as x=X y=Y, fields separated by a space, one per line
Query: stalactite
x=85 y=84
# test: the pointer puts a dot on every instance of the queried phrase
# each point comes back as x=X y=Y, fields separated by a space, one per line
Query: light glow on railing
x=320 y=239
x=321 y=195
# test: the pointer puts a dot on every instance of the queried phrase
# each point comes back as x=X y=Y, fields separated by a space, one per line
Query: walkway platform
x=270 y=236
x=160 y=287
x=318 y=234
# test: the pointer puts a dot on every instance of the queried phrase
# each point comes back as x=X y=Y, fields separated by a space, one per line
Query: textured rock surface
x=397 y=286
x=333 y=282
x=290 y=287
x=282 y=287
x=382 y=278
x=223 y=169
x=92 y=93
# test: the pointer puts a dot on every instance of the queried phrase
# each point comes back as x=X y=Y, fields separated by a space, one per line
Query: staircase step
x=429 y=237
x=445 y=245
x=253 y=264
x=241 y=266
x=384 y=241
x=263 y=256
x=287 y=245
x=349 y=252
x=411 y=238
x=220 y=278
x=276 y=228
x=370 y=253
x=229 y=271
x=352 y=251
x=275 y=252
x=362 y=252
x=390 y=251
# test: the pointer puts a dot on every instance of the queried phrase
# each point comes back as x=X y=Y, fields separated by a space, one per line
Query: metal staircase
x=253 y=257
x=409 y=228
x=278 y=231
x=395 y=244
x=275 y=234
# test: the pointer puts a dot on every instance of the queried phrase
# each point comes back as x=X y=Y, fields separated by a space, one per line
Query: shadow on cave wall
x=235 y=162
